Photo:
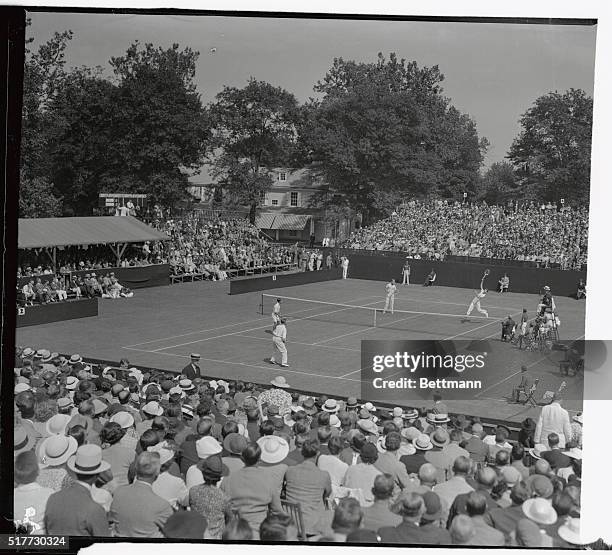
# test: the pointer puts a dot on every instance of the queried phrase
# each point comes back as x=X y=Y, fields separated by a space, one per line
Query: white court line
x=400 y=297
x=270 y=367
x=291 y=342
x=251 y=329
x=232 y=325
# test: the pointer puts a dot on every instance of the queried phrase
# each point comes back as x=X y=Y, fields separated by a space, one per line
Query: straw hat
x=88 y=460
x=165 y=454
x=368 y=406
x=411 y=433
x=331 y=405
x=570 y=531
x=539 y=510
x=274 y=449
x=235 y=443
x=71 y=382
x=55 y=450
x=207 y=446
x=153 y=408
x=22 y=441
x=423 y=442
x=536 y=452
x=439 y=438
x=279 y=381
x=437 y=419
x=123 y=418
x=57 y=424
x=367 y=426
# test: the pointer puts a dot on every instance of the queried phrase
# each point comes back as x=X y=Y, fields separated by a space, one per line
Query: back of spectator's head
x=79 y=433
x=230 y=427
x=477 y=429
x=310 y=448
x=369 y=453
x=323 y=419
x=383 y=486
x=204 y=407
x=562 y=503
x=204 y=426
x=324 y=433
x=528 y=533
x=462 y=465
x=160 y=424
x=237 y=529
x=456 y=435
x=25 y=403
x=345 y=421
x=147 y=466
x=347 y=515
x=123 y=397
x=518 y=452
x=388 y=427
x=502 y=458
x=553 y=440
x=148 y=439
x=26 y=468
x=541 y=467
x=87 y=408
x=80 y=396
x=299 y=440
x=335 y=445
x=476 y=503
x=409 y=505
x=111 y=433
x=486 y=477
x=428 y=473
x=251 y=454
x=278 y=527
x=520 y=492
x=500 y=435
x=393 y=441
x=462 y=530
x=300 y=428
x=266 y=428
x=358 y=441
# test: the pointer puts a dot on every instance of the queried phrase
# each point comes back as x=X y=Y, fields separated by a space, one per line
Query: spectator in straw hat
x=252 y=489
x=362 y=475
x=205 y=447
x=274 y=451
x=29 y=497
x=422 y=444
x=309 y=486
x=72 y=511
x=53 y=454
x=379 y=514
x=192 y=370
x=137 y=511
x=570 y=532
x=541 y=512
x=233 y=445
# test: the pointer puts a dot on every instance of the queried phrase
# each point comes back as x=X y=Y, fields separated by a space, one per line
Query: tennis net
x=370 y=315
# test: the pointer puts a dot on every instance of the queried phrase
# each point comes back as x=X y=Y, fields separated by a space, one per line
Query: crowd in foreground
x=437 y=229
x=116 y=451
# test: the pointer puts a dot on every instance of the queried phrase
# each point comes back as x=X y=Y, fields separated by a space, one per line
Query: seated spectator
x=278 y=527
x=379 y=514
x=581 y=292
x=430 y=279
x=361 y=476
x=476 y=506
x=504 y=283
x=29 y=497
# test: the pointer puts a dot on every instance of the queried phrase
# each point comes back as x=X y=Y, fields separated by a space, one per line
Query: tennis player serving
x=476 y=300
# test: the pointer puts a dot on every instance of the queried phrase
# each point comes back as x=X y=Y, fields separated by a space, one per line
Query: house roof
x=93 y=230
x=267 y=220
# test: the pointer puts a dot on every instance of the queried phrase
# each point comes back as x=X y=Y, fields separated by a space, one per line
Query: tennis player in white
x=345 y=265
x=390 y=289
x=279 y=338
x=276 y=313
x=479 y=296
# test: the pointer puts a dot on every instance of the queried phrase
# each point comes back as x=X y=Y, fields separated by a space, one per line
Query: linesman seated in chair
x=504 y=283
x=430 y=279
x=581 y=293
x=547 y=301
x=523 y=387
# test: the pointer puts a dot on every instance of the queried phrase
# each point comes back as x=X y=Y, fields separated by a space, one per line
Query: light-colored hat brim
x=104 y=466
x=45 y=461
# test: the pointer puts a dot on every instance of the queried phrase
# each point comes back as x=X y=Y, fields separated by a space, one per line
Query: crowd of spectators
x=130 y=453
x=434 y=230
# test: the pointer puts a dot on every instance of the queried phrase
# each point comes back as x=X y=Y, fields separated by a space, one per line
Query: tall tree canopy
x=500 y=184
x=552 y=153
x=384 y=128
x=254 y=129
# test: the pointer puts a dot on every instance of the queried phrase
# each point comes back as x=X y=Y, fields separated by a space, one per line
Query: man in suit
x=555 y=457
x=477 y=448
x=136 y=511
x=389 y=462
x=553 y=418
x=309 y=486
x=476 y=506
x=72 y=511
x=379 y=514
x=486 y=478
x=192 y=370
x=411 y=507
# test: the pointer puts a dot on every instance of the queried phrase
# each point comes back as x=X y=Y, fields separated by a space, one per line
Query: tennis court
x=326 y=322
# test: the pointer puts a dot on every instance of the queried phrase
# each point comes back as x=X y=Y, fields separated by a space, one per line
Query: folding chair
x=294 y=510
x=530 y=394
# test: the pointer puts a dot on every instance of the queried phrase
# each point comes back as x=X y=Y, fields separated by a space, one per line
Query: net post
x=262 y=304
x=375 y=311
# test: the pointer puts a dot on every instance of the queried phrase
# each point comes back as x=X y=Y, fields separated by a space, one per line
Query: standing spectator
x=72 y=511
x=309 y=486
x=553 y=418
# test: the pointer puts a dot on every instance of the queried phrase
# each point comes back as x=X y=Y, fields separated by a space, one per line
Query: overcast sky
x=493 y=72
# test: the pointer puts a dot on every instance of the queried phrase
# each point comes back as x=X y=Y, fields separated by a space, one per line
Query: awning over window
x=51 y=232
x=282 y=221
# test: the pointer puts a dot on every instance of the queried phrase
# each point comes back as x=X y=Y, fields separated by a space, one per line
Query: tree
x=552 y=153
x=499 y=184
x=254 y=129
x=385 y=130
x=37 y=198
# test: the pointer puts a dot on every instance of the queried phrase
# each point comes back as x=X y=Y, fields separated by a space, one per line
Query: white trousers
x=406 y=278
x=478 y=308
x=389 y=302
x=344 y=272
x=281 y=348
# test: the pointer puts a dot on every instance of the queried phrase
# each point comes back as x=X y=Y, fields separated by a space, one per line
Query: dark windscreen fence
x=368 y=316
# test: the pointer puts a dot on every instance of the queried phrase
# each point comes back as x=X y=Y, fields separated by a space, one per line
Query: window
x=275 y=202
x=282 y=176
x=294 y=198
